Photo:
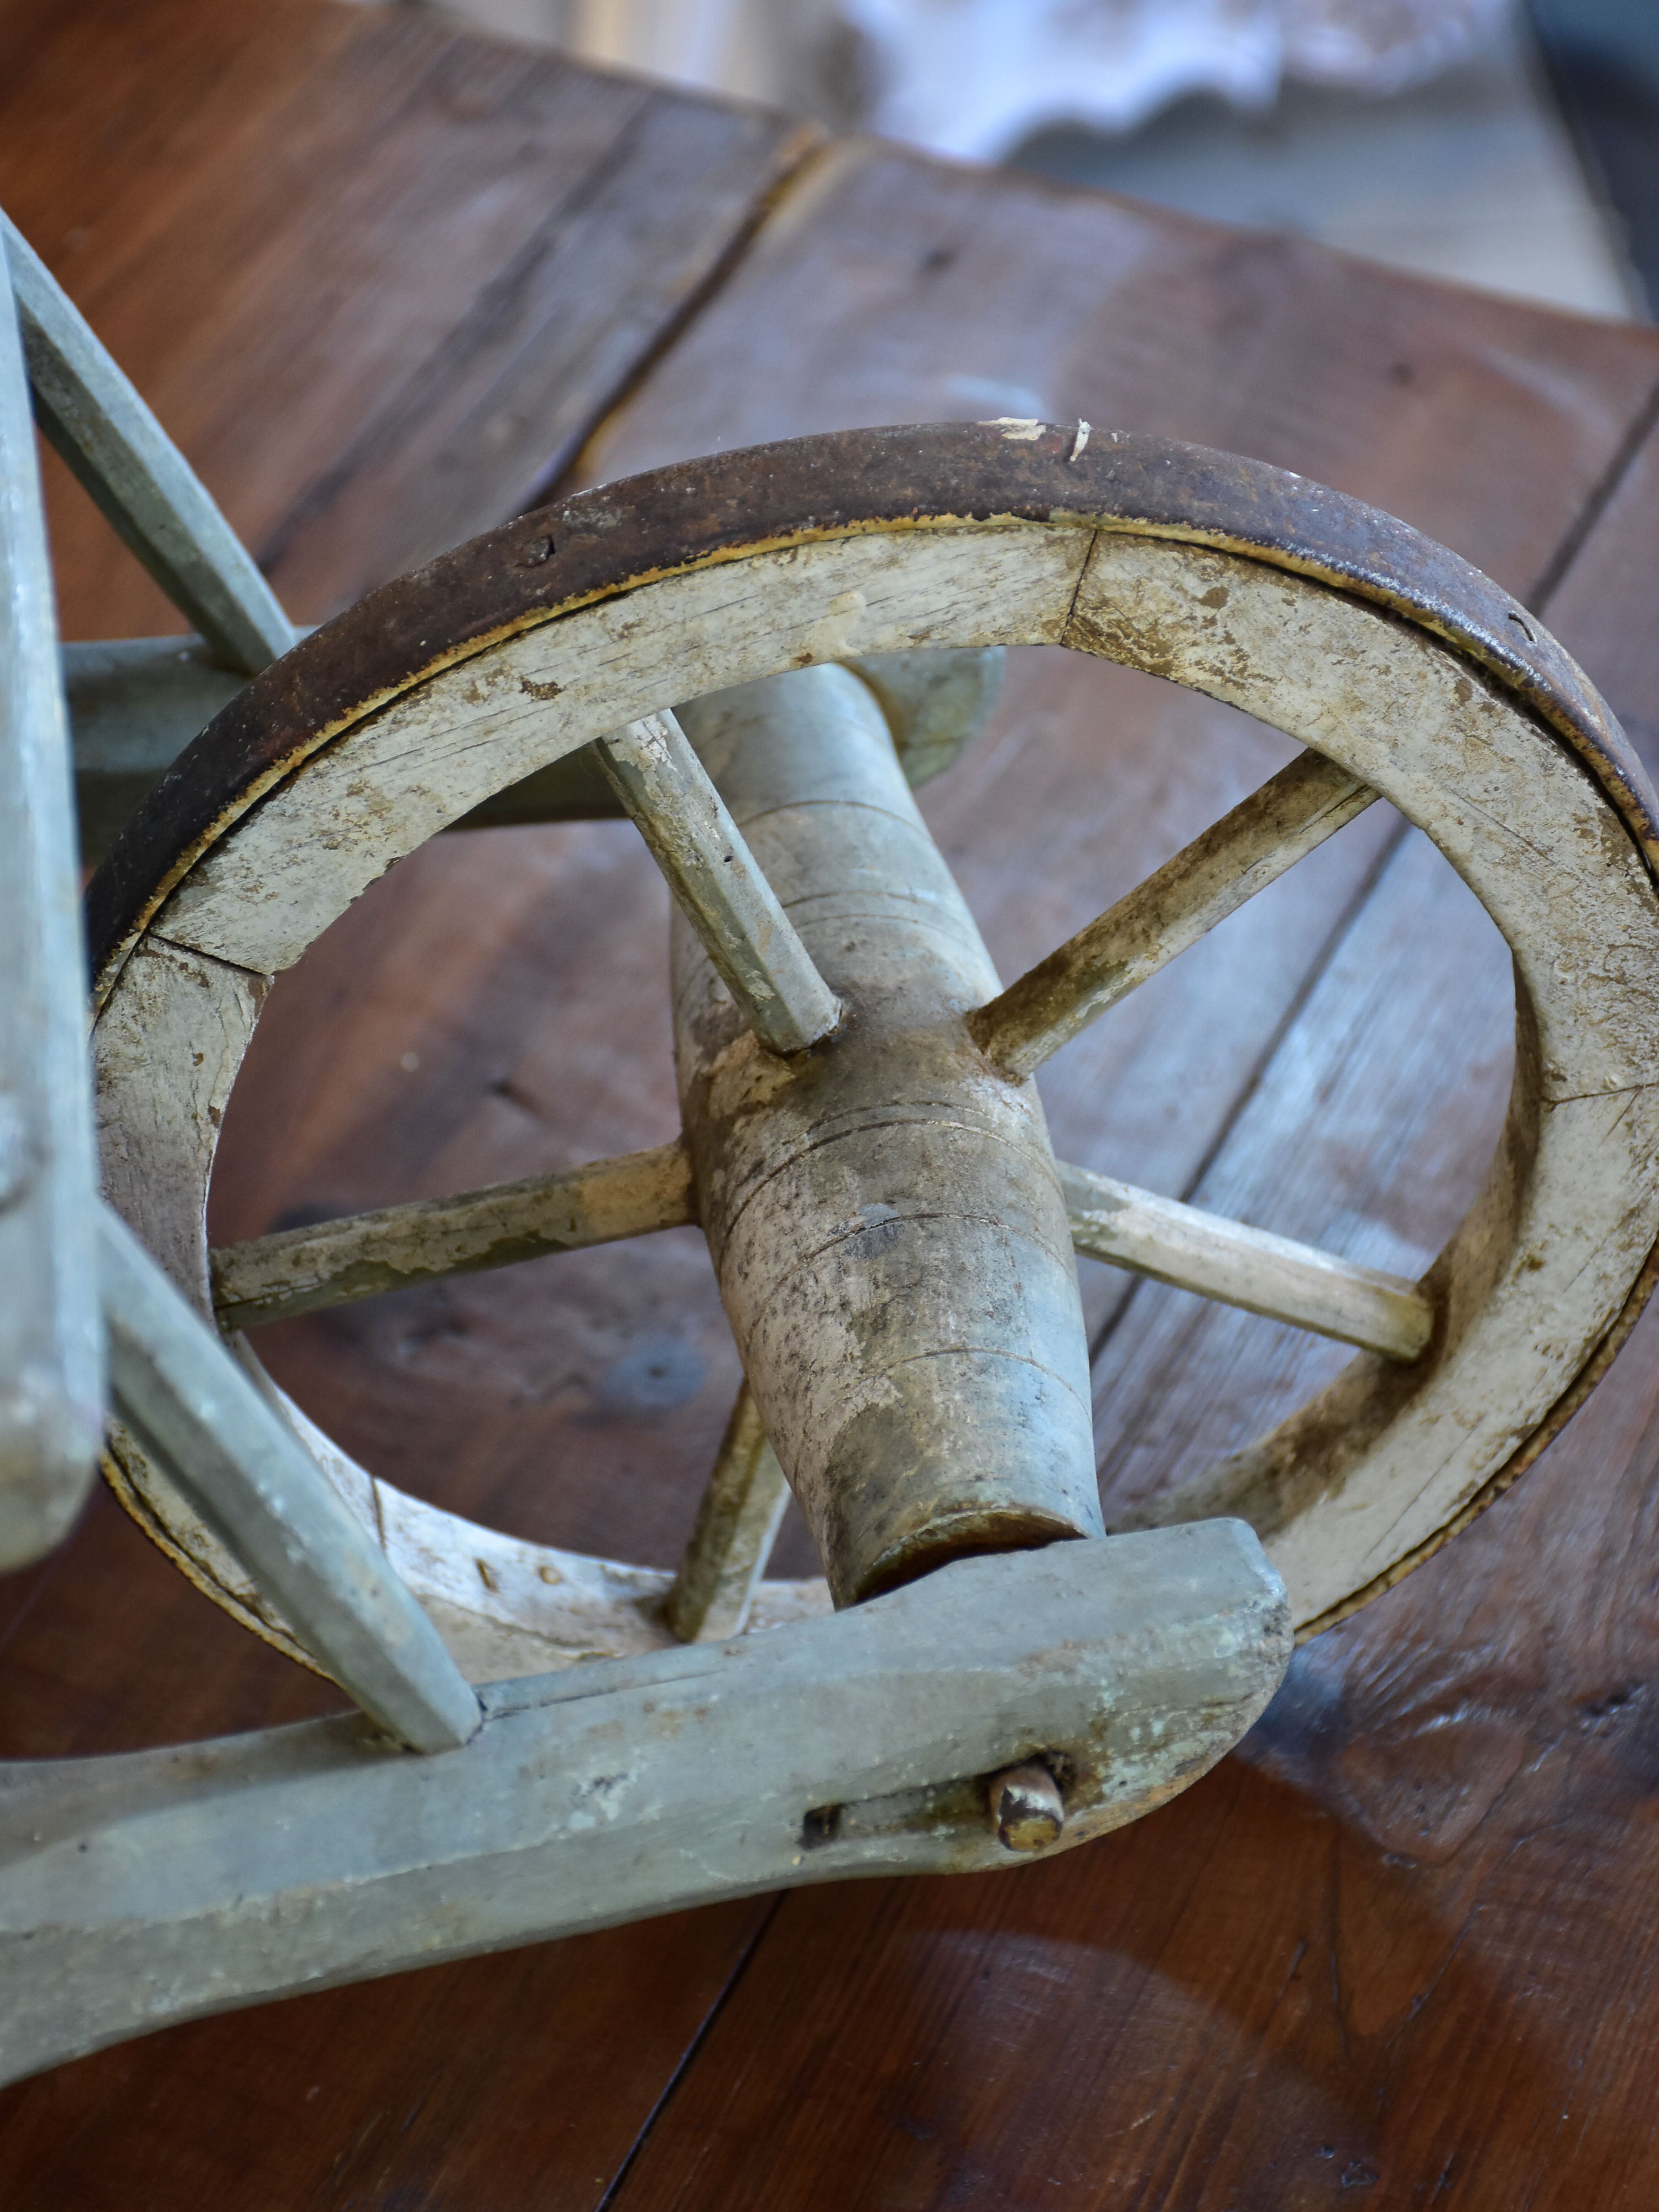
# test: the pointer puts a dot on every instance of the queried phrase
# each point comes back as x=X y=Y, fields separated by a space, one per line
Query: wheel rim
x=1307 y=611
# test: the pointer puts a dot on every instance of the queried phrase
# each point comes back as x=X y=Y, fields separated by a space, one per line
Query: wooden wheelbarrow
x=755 y=657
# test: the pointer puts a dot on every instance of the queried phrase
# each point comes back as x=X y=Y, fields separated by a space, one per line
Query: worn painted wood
x=308 y=1270
x=506 y=1606
x=174 y=1885
x=1270 y=832
x=248 y=1477
x=136 y=476
x=1227 y=1260
x=135 y=704
x=936 y=702
x=718 y=887
x=885 y=1219
x=1419 y=1956
x=438 y=751
x=1562 y=1134
x=1369 y=1132
x=51 y=1353
x=1446 y=2011
x=1381 y=1952
x=399 y=1247
x=889 y=289
x=737 y=1524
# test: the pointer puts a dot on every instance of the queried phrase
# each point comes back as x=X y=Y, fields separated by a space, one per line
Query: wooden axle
x=885 y=1211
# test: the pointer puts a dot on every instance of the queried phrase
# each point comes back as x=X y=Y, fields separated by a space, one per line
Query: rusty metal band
x=620 y=536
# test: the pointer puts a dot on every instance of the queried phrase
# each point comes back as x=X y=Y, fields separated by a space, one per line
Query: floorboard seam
x=567 y=467
x=688 y=2057
x=400 y=419
x=1601 y=495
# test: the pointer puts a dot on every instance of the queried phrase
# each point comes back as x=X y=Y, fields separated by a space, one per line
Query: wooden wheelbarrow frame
x=1096 y=1677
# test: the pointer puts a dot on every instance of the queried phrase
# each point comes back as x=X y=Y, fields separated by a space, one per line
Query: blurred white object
x=764 y=50
x=970 y=78
x=1472 y=177
x=1464 y=170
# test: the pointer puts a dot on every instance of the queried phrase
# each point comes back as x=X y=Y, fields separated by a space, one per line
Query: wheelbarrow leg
x=51 y=1343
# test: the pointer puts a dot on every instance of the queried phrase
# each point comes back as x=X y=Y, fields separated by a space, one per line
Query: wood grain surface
x=377 y=279
x=1396 y=1951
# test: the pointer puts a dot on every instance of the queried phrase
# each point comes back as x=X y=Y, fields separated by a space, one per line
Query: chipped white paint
x=837 y=633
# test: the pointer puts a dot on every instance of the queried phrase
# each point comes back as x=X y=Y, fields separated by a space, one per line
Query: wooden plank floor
x=385 y=282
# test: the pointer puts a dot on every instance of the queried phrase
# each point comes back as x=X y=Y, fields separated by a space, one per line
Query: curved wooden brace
x=154 y=1887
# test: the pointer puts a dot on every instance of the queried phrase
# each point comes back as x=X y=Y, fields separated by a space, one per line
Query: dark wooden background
x=387 y=283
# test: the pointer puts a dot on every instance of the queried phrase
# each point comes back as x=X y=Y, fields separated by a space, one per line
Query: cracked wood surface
x=1395 y=1949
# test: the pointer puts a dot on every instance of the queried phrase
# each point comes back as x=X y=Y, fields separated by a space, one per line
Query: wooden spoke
x=299 y=1270
x=719 y=886
x=737 y=1524
x=1207 y=880
x=1248 y=1267
x=241 y=1467
x=137 y=475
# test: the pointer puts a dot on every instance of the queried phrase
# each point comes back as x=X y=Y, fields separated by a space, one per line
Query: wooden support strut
x=395 y=1248
x=1238 y=1266
x=156 y=1886
x=132 y=470
x=230 y=1453
x=737 y=1523
x=724 y=896
x=884 y=1213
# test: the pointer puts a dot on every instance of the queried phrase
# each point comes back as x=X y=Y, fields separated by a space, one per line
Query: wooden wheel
x=1406 y=673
